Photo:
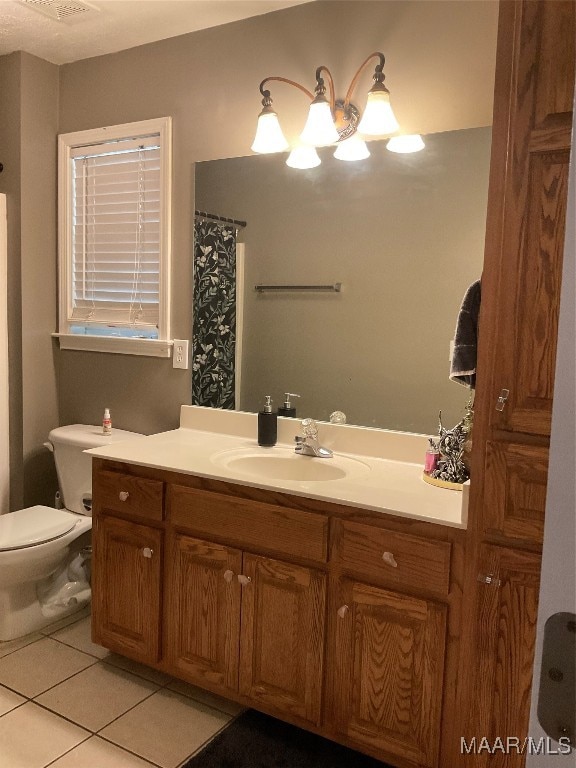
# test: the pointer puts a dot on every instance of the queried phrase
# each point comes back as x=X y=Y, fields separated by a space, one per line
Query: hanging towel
x=463 y=365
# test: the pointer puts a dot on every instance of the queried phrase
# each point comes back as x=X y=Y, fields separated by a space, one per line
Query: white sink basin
x=283 y=464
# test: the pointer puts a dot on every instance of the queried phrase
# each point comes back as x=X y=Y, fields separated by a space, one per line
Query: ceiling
x=96 y=27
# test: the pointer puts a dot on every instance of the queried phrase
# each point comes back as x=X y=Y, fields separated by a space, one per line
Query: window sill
x=115 y=345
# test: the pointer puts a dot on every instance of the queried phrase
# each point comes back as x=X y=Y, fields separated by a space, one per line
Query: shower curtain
x=214 y=315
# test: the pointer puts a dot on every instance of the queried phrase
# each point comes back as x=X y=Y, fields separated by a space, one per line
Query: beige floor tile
x=79 y=635
x=97 y=753
x=31 y=737
x=66 y=621
x=166 y=728
x=97 y=695
x=205 y=697
x=37 y=667
x=9 y=646
x=155 y=676
x=9 y=700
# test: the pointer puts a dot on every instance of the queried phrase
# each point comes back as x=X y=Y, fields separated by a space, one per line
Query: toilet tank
x=73 y=467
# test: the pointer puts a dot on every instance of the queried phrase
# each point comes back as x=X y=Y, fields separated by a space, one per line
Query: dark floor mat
x=255 y=740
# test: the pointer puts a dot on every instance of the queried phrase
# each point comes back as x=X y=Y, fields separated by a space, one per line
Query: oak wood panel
x=126 y=599
x=420 y=563
x=202 y=618
x=282 y=647
x=387 y=671
x=516 y=480
x=250 y=524
x=533 y=105
x=144 y=500
x=506 y=636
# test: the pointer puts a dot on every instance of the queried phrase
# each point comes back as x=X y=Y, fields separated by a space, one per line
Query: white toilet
x=43 y=574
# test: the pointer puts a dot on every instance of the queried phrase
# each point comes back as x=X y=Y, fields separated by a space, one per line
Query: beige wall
x=28 y=124
x=39 y=121
x=208 y=82
x=405 y=236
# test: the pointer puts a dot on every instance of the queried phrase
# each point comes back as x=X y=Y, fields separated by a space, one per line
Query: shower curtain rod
x=215 y=217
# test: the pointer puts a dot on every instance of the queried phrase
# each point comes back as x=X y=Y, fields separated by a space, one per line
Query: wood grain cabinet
x=341 y=625
x=248 y=624
x=126 y=584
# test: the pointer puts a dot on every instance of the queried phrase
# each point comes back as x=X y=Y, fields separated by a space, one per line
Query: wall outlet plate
x=180 y=353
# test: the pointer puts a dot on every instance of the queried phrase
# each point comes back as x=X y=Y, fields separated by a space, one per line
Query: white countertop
x=379 y=481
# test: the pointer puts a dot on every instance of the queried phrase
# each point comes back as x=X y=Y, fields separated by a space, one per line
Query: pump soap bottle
x=107 y=422
x=267 y=425
x=288 y=409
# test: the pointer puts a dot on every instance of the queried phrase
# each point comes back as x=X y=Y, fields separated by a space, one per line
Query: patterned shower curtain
x=214 y=315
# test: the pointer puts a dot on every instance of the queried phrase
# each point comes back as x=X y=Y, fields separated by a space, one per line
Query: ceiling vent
x=67 y=11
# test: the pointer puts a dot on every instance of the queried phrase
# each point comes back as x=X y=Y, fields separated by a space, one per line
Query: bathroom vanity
x=285 y=594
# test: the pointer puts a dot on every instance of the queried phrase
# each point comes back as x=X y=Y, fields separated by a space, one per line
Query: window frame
x=67 y=142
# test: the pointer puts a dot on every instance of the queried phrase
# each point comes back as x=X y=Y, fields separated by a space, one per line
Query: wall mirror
x=402 y=234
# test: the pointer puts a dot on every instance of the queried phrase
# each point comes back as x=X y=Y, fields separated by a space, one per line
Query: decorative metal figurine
x=450 y=445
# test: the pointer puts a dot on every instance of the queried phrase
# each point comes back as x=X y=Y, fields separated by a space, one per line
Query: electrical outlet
x=180 y=353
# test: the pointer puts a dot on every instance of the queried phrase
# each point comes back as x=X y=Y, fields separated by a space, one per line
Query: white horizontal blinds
x=116 y=232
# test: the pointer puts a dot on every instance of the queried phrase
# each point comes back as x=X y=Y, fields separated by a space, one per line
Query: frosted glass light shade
x=405 y=144
x=352 y=149
x=269 y=137
x=319 y=130
x=303 y=157
x=378 y=118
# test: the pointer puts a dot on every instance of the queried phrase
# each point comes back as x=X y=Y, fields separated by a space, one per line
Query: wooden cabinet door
x=127 y=561
x=527 y=210
x=386 y=666
x=203 y=611
x=506 y=636
x=282 y=647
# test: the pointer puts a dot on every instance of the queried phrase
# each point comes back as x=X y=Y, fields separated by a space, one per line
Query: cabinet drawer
x=398 y=558
x=129 y=495
x=251 y=524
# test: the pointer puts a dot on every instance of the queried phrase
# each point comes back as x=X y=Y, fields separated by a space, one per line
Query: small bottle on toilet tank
x=106 y=422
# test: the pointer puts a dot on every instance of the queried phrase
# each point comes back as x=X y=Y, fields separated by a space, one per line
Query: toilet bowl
x=44 y=574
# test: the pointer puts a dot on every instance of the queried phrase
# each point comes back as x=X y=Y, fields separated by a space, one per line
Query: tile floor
x=68 y=703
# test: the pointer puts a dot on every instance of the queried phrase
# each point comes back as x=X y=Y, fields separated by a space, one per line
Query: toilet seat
x=34 y=525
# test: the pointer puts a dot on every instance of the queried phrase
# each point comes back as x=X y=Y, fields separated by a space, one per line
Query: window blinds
x=116 y=232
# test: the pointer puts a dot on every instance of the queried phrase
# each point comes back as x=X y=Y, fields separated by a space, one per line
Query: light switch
x=180 y=353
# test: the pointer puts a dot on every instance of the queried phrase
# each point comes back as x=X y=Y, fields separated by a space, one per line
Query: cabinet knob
x=342 y=611
x=244 y=580
x=228 y=575
x=147 y=552
x=389 y=559
x=489 y=578
x=123 y=495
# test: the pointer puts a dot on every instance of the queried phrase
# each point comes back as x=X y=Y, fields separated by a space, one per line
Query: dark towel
x=463 y=365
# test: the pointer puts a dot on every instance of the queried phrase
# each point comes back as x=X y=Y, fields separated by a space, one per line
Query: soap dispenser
x=288 y=409
x=267 y=425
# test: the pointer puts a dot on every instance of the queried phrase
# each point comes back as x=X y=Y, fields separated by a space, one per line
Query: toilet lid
x=34 y=525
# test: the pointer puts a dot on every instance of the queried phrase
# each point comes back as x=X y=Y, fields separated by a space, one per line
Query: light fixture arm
x=321 y=88
x=378 y=75
x=267 y=101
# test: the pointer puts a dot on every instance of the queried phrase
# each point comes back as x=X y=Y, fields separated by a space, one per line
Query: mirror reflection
x=404 y=236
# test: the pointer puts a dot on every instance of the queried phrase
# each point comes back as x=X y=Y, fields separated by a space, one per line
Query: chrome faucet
x=308 y=445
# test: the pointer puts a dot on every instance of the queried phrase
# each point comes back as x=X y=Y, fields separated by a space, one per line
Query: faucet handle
x=310 y=428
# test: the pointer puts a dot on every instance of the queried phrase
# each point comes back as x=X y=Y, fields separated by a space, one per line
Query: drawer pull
x=228 y=575
x=147 y=552
x=490 y=579
x=389 y=559
x=342 y=611
x=123 y=495
x=244 y=580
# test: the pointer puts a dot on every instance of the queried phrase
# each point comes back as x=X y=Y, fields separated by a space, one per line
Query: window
x=114 y=238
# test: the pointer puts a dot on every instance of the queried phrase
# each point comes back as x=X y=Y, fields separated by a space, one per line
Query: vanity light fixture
x=330 y=120
x=352 y=149
x=406 y=143
x=303 y=157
